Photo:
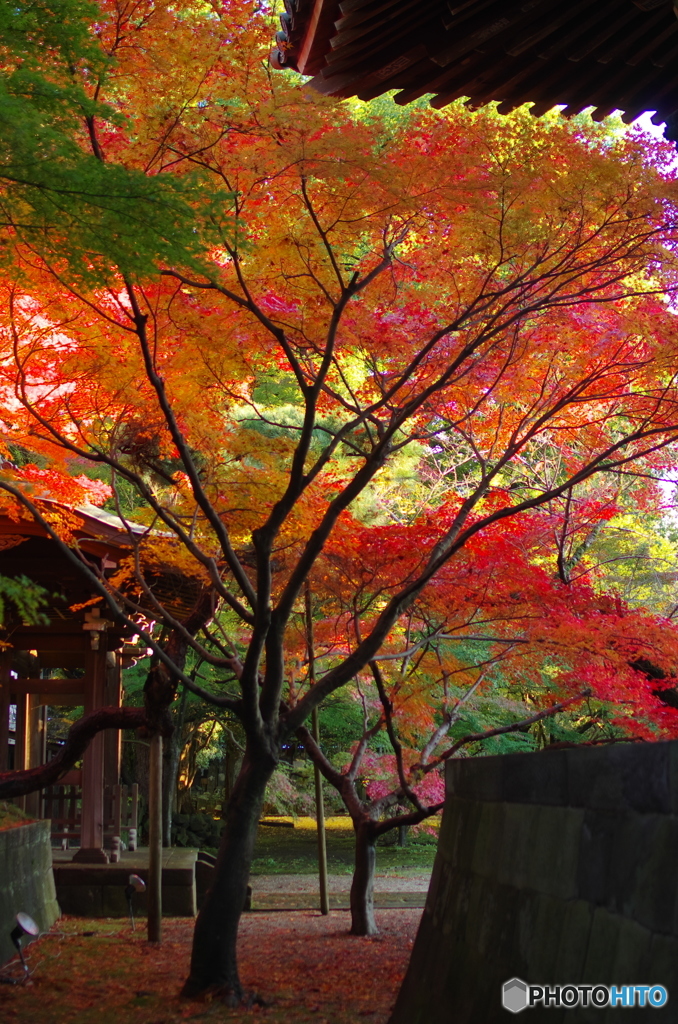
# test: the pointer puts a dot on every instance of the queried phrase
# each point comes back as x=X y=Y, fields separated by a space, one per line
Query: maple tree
x=350 y=294
x=507 y=628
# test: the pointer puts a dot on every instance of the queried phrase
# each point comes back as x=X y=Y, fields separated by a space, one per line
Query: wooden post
x=112 y=737
x=154 y=893
x=35 y=737
x=21 y=741
x=92 y=829
x=132 y=834
x=320 y=822
x=319 y=802
x=112 y=753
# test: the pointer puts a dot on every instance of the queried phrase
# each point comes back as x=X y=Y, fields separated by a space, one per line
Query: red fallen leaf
x=316 y=959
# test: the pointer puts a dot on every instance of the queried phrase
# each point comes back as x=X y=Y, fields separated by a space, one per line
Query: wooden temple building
x=73 y=658
x=609 y=54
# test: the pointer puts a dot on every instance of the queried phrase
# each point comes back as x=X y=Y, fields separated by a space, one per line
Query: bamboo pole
x=319 y=802
x=154 y=894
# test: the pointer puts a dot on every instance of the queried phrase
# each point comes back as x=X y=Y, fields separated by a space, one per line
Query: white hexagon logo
x=514 y=995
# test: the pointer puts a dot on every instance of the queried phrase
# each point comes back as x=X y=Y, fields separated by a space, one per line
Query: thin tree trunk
x=362 y=886
x=213 y=961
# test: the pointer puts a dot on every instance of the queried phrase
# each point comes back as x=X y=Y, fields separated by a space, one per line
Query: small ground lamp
x=25 y=925
x=135 y=884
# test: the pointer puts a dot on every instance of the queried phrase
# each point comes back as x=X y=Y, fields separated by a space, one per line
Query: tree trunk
x=362 y=886
x=232 y=764
x=213 y=960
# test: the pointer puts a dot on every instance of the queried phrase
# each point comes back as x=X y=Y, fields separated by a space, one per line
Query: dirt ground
x=307 y=968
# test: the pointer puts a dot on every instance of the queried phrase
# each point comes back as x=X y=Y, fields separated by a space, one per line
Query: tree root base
x=224 y=994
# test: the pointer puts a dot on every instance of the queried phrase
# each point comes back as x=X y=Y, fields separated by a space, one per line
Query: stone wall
x=557 y=867
x=98 y=890
x=26 y=880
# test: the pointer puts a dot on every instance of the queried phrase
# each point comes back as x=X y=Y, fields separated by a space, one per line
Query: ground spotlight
x=25 y=925
x=135 y=884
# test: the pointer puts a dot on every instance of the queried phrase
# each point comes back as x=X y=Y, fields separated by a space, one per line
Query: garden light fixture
x=135 y=884
x=25 y=925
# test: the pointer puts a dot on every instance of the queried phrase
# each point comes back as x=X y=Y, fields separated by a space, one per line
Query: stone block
x=433 y=896
x=645 y=769
x=635 y=776
x=179 y=900
x=600 y=830
x=459 y=831
x=477 y=778
x=573 y=925
x=662 y=968
x=632 y=964
x=551 y=858
x=602 y=948
x=450 y=912
x=643 y=870
x=81 y=900
x=113 y=901
x=487 y=847
x=673 y=776
x=515 y=843
x=26 y=880
x=535 y=951
x=480 y=900
x=590 y=783
x=535 y=778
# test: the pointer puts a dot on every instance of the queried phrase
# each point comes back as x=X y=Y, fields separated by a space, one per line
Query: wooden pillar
x=112 y=737
x=92 y=829
x=320 y=825
x=21 y=740
x=113 y=755
x=315 y=728
x=35 y=745
x=154 y=894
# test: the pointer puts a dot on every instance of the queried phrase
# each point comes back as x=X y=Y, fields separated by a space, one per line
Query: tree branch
x=478 y=737
x=80 y=734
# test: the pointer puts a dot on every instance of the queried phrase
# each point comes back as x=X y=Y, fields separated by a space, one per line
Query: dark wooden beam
x=51 y=687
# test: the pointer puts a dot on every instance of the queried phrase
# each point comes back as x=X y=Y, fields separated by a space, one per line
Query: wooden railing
x=63 y=805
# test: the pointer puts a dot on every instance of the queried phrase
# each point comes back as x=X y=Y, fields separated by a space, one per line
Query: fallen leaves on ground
x=306 y=968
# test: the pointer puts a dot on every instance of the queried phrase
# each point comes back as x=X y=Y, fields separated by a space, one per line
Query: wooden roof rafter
x=606 y=54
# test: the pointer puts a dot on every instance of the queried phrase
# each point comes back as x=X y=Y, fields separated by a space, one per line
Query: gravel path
x=414 y=882
x=300 y=892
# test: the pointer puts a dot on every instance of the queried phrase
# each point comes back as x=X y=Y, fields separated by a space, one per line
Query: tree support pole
x=155 y=840
x=315 y=728
x=320 y=821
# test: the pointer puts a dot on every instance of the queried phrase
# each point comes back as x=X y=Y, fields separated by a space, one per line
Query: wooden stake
x=319 y=802
x=154 y=893
x=320 y=820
